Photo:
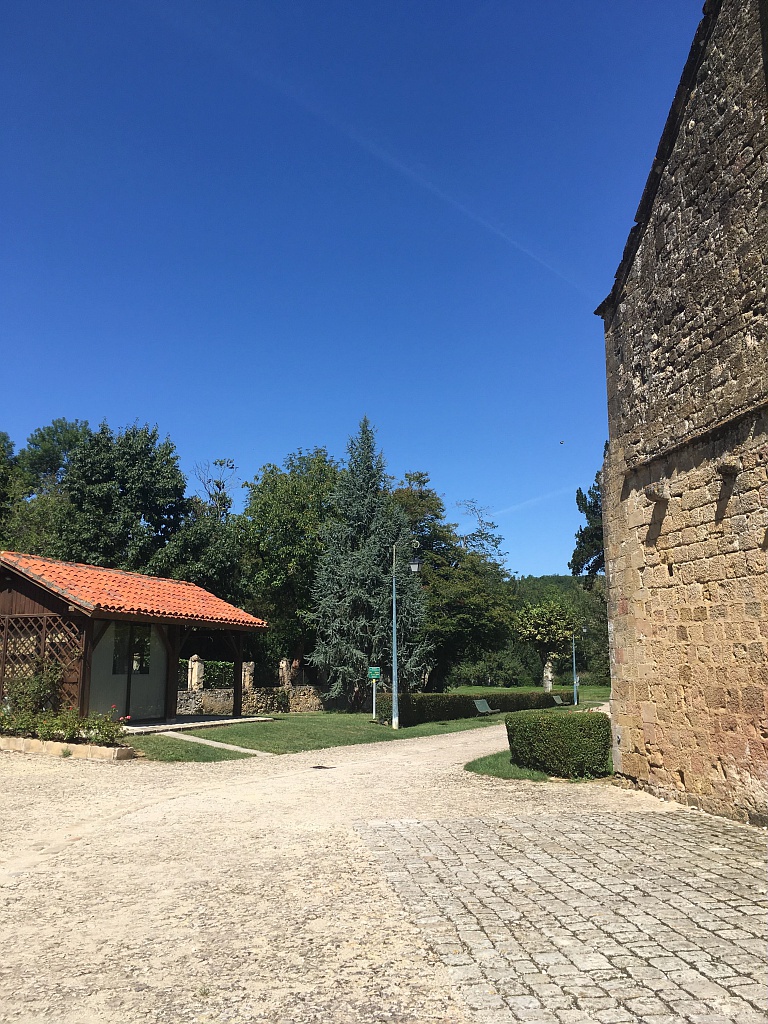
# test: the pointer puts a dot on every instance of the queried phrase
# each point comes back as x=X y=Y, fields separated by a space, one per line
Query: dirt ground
x=269 y=889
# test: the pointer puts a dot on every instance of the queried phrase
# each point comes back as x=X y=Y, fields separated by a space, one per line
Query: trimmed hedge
x=418 y=708
x=571 y=746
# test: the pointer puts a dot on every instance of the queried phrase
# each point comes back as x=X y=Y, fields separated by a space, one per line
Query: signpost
x=374 y=674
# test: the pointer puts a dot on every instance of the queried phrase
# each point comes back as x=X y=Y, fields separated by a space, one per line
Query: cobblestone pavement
x=589 y=917
x=392 y=887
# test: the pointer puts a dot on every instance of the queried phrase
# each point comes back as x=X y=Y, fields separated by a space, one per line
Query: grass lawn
x=160 y=748
x=288 y=734
x=498 y=766
x=589 y=696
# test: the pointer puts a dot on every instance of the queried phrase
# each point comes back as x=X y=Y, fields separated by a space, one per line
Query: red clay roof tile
x=96 y=589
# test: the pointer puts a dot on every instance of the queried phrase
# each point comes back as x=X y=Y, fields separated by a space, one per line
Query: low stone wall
x=304 y=698
x=258 y=701
x=25 y=745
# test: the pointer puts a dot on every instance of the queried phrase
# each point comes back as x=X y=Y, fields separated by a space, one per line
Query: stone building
x=685 y=484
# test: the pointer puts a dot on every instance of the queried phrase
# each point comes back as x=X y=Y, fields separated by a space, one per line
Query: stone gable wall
x=688 y=345
x=685 y=481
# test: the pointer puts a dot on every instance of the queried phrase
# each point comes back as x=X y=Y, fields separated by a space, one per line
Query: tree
x=468 y=599
x=124 y=499
x=548 y=628
x=589 y=555
x=43 y=462
x=352 y=591
x=7 y=464
x=207 y=547
x=33 y=487
x=288 y=508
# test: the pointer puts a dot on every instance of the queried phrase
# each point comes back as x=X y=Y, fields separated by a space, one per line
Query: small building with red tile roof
x=115 y=635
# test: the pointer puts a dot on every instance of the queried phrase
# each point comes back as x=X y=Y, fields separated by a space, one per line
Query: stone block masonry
x=685 y=481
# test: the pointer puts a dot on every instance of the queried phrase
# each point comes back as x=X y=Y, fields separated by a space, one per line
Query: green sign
x=374 y=673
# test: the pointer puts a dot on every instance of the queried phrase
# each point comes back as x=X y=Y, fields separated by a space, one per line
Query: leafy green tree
x=468 y=599
x=207 y=548
x=33 y=488
x=124 y=499
x=548 y=628
x=43 y=462
x=288 y=508
x=587 y=609
x=353 y=587
x=589 y=555
x=7 y=465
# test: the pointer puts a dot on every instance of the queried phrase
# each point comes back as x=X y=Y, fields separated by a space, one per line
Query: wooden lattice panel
x=23 y=646
x=32 y=639
x=64 y=646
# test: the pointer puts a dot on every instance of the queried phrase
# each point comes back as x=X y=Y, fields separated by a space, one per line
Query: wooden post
x=237 y=700
x=85 y=670
x=172 y=644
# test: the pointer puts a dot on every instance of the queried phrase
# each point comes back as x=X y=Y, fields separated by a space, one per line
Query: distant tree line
x=312 y=552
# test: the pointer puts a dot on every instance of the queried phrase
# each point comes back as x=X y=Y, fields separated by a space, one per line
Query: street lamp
x=414 y=565
x=575 y=677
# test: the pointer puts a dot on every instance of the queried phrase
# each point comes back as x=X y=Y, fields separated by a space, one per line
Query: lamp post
x=414 y=565
x=575 y=677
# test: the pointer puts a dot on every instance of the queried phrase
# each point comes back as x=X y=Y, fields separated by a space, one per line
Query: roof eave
x=81 y=605
x=103 y=614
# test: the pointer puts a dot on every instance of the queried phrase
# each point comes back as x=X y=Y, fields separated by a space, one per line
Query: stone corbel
x=658 y=491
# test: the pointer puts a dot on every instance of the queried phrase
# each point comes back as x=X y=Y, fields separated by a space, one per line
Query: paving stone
x=600 y=949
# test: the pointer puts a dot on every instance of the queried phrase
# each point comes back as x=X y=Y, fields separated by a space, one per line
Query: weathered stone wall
x=257 y=701
x=687 y=345
x=685 y=483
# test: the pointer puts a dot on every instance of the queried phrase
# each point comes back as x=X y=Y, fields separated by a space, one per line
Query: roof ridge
x=101 y=568
x=696 y=55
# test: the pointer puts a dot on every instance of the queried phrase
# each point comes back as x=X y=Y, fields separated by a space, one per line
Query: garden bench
x=484 y=709
x=559 y=702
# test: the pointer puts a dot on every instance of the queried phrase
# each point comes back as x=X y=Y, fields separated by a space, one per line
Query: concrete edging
x=90 y=751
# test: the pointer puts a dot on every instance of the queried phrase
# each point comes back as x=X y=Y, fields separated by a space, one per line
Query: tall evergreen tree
x=352 y=595
x=588 y=558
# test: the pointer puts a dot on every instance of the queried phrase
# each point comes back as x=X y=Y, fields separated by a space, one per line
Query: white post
x=249 y=668
x=195 y=673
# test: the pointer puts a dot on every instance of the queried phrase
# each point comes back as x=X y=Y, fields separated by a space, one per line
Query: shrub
x=219 y=675
x=34 y=694
x=567 y=745
x=67 y=726
x=417 y=708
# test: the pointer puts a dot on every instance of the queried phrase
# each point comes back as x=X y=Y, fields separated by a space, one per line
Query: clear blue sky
x=253 y=222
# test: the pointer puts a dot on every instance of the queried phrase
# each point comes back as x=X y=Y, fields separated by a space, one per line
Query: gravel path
x=389 y=885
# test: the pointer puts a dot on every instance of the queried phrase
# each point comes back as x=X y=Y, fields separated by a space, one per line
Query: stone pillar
x=249 y=668
x=285 y=673
x=549 y=674
x=195 y=673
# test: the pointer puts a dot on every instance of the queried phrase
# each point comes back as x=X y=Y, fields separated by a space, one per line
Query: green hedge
x=570 y=746
x=417 y=708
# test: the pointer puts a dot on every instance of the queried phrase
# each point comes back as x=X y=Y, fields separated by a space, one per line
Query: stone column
x=195 y=673
x=249 y=668
x=549 y=674
x=285 y=673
